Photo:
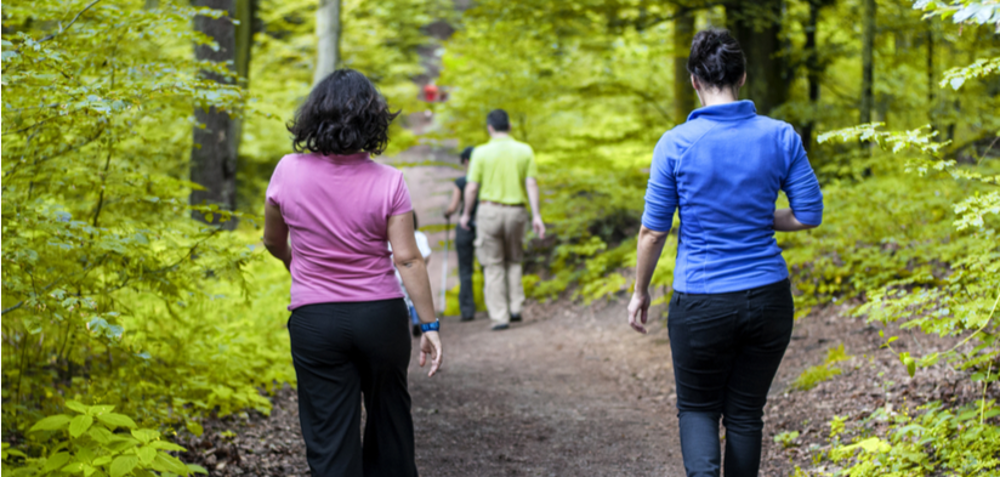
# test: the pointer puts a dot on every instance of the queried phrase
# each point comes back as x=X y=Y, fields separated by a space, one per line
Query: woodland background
x=138 y=137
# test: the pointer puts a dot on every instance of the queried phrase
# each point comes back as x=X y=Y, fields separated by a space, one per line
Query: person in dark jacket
x=731 y=314
x=464 y=242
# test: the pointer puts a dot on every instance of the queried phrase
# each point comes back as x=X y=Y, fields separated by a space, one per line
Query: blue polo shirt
x=723 y=169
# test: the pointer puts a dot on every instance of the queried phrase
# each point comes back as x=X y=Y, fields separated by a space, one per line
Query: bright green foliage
x=938 y=441
x=111 y=292
x=94 y=441
x=787 y=438
x=814 y=375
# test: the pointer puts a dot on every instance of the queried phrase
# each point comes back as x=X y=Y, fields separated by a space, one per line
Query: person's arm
x=649 y=249
x=785 y=221
x=456 y=201
x=471 y=191
x=276 y=234
x=805 y=199
x=531 y=186
x=657 y=218
x=413 y=270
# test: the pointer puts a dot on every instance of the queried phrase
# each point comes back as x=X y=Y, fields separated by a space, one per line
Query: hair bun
x=716 y=58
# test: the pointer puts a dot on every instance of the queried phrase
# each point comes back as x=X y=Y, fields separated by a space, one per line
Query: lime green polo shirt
x=500 y=167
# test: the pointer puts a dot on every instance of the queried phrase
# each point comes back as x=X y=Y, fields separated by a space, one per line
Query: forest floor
x=573 y=391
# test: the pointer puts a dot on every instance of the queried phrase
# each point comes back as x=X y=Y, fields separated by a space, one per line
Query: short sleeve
x=275 y=186
x=399 y=202
x=661 y=190
x=800 y=184
x=532 y=165
x=475 y=173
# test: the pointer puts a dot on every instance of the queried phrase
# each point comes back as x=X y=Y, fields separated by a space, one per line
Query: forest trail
x=573 y=391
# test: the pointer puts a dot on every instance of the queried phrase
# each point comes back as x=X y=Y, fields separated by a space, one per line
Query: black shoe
x=469 y=318
x=500 y=327
x=416 y=331
x=515 y=317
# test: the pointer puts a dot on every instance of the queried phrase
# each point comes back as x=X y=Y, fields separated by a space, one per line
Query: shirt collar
x=726 y=112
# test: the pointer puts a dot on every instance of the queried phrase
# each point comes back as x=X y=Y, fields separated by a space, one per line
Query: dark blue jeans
x=726 y=350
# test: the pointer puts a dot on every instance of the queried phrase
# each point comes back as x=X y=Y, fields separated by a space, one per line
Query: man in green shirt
x=502 y=175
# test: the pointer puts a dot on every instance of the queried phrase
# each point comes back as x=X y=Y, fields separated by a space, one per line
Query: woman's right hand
x=430 y=346
x=638 y=311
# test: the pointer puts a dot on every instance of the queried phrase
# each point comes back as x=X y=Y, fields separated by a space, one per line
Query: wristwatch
x=433 y=326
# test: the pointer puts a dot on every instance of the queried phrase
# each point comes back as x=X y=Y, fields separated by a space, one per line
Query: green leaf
x=78 y=406
x=146 y=455
x=79 y=425
x=195 y=428
x=167 y=446
x=102 y=460
x=116 y=420
x=101 y=434
x=145 y=435
x=197 y=469
x=169 y=463
x=55 y=461
x=51 y=423
x=123 y=465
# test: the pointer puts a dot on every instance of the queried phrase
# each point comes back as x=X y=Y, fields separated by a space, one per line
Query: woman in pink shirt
x=349 y=327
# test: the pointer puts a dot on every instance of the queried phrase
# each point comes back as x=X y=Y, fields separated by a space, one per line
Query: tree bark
x=684 y=98
x=812 y=73
x=867 y=63
x=931 y=84
x=328 y=34
x=214 y=152
x=756 y=26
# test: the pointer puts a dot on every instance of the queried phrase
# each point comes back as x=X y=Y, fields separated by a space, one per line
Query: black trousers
x=466 y=252
x=726 y=350
x=343 y=351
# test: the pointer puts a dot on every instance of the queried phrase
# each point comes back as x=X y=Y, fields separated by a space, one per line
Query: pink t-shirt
x=337 y=209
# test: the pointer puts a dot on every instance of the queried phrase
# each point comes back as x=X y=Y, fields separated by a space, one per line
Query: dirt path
x=573 y=391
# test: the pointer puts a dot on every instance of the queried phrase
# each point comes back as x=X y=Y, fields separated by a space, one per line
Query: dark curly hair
x=716 y=59
x=344 y=114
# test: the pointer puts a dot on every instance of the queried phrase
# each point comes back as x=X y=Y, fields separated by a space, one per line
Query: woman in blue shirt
x=731 y=314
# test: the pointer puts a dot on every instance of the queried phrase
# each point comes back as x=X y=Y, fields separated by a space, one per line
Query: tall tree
x=683 y=34
x=328 y=35
x=756 y=26
x=867 y=61
x=814 y=69
x=214 y=152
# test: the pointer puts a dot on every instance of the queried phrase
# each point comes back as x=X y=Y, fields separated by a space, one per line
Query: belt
x=501 y=204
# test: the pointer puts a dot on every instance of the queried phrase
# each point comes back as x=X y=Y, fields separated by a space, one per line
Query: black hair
x=416 y=225
x=716 y=59
x=499 y=120
x=343 y=114
x=466 y=155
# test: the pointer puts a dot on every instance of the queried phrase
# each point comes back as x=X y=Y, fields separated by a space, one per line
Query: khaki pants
x=499 y=247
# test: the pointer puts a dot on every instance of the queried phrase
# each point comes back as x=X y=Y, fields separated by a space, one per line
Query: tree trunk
x=931 y=84
x=213 y=157
x=246 y=14
x=867 y=48
x=684 y=98
x=328 y=34
x=812 y=74
x=756 y=26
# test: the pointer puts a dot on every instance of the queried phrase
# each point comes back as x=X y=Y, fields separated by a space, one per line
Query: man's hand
x=464 y=221
x=638 y=310
x=430 y=345
x=538 y=226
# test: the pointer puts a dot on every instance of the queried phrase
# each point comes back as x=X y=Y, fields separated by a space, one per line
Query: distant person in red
x=430 y=93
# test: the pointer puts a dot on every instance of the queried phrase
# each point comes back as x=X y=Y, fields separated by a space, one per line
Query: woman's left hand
x=430 y=346
x=638 y=311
